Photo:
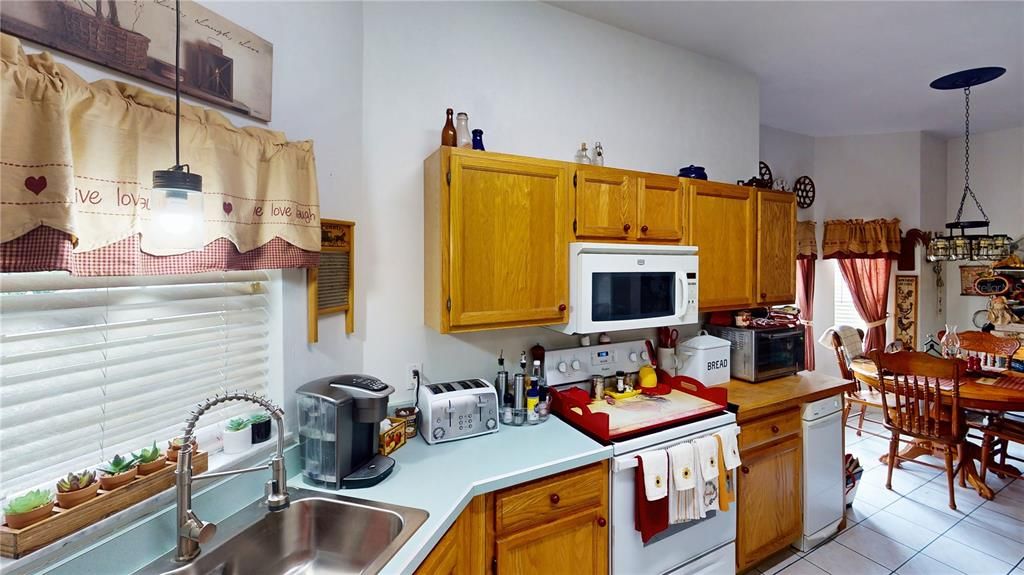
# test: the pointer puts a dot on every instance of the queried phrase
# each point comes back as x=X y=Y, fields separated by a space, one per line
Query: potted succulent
x=150 y=459
x=260 y=424
x=29 y=508
x=237 y=436
x=117 y=472
x=174 y=446
x=77 y=488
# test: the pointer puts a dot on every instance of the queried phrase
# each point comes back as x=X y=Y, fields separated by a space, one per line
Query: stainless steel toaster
x=457 y=410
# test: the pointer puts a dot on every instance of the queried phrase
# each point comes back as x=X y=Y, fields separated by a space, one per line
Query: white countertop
x=442 y=479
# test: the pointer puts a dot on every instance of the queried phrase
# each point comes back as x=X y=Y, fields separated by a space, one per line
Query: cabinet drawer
x=771 y=428
x=545 y=500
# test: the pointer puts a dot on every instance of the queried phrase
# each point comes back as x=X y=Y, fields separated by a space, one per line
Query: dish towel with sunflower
x=652 y=480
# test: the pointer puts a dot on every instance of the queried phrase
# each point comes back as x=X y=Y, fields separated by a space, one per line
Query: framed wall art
x=906 y=303
x=969 y=275
x=222 y=63
x=330 y=287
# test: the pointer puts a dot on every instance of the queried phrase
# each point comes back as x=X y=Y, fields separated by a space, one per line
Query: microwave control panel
x=578 y=364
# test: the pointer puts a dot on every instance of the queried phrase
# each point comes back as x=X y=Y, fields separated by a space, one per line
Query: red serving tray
x=597 y=424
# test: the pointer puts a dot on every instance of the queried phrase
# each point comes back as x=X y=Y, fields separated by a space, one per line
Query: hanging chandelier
x=957 y=244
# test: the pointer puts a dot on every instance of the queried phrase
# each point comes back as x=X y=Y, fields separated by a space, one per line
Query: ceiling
x=841 y=68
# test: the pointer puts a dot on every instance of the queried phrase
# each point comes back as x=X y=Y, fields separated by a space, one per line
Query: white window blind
x=93 y=367
x=845 y=312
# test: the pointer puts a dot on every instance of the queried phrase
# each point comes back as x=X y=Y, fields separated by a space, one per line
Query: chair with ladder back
x=915 y=405
x=864 y=396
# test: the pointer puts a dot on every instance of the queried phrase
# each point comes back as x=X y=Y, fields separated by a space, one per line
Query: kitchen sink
x=318 y=533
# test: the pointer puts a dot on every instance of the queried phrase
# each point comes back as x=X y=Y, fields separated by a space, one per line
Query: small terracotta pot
x=152 y=466
x=172 y=450
x=73 y=498
x=23 y=520
x=111 y=482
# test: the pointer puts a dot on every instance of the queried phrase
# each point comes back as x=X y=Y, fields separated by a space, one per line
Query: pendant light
x=176 y=202
x=955 y=246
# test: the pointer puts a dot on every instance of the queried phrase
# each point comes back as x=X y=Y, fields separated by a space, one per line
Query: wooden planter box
x=15 y=543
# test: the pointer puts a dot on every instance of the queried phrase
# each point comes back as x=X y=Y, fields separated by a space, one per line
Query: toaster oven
x=763 y=353
x=457 y=410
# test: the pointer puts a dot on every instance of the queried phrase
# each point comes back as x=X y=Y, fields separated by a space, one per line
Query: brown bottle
x=448 y=132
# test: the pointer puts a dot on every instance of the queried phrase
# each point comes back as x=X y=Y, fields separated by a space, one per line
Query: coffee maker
x=339 y=431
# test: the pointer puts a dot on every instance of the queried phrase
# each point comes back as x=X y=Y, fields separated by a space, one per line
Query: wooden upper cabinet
x=776 y=247
x=605 y=203
x=723 y=228
x=495 y=241
x=770 y=501
x=660 y=208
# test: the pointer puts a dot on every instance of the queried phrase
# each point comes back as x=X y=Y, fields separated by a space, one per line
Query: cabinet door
x=444 y=558
x=660 y=208
x=722 y=226
x=769 y=500
x=577 y=543
x=508 y=242
x=605 y=203
x=776 y=247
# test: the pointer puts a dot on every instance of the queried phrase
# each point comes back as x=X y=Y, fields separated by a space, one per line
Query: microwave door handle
x=684 y=293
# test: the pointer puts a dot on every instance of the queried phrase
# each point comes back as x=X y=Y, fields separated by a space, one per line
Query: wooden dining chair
x=916 y=384
x=998 y=431
x=863 y=396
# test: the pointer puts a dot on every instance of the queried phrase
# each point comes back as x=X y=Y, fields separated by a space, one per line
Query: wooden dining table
x=985 y=393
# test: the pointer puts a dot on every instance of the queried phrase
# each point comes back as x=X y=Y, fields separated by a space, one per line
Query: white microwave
x=614 y=287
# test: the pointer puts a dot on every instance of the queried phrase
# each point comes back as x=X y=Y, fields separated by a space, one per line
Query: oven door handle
x=782 y=335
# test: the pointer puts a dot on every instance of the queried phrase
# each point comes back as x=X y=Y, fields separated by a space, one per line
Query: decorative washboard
x=331 y=286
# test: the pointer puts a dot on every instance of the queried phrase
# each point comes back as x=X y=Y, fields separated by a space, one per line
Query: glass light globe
x=176 y=219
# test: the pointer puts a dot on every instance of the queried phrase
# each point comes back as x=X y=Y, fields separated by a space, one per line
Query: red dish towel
x=651 y=516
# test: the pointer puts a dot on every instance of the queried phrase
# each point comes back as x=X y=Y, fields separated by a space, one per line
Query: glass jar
x=960 y=248
x=938 y=249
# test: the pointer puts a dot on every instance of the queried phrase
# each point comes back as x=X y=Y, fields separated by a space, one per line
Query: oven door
x=634 y=291
x=676 y=546
x=778 y=353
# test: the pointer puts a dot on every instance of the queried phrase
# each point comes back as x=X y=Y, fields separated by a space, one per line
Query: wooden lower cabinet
x=770 y=500
x=574 y=544
x=568 y=533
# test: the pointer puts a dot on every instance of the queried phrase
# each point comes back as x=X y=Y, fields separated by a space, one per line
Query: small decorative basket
x=394 y=437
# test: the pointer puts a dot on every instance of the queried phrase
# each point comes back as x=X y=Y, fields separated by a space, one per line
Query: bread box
x=704 y=358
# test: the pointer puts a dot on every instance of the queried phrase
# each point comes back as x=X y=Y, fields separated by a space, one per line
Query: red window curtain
x=868 y=280
x=805 y=301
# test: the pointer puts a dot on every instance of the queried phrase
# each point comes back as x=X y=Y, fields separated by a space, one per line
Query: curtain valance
x=78 y=158
x=846 y=239
x=806 y=242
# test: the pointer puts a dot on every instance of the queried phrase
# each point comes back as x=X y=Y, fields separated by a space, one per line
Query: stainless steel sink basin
x=319 y=533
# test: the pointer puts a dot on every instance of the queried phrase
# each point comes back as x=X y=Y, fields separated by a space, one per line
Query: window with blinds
x=845 y=312
x=93 y=367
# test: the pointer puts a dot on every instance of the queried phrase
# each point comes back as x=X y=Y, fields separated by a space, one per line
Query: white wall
x=788 y=154
x=997 y=179
x=931 y=312
x=538 y=81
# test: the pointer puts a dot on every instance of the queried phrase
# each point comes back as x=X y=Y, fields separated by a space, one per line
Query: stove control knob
x=632 y=356
x=644 y=356
x=576 y=364
x=492 y=423
x=438 y=432
x=563 y=367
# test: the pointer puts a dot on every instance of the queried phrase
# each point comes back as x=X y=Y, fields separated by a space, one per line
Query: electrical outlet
x=410 y=375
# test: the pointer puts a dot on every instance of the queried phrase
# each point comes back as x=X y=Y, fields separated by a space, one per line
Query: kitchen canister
x=704 y=358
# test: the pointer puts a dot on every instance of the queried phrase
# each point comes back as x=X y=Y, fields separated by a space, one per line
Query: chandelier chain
x=967 y=160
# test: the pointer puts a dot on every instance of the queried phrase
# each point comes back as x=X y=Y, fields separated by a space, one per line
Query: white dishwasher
x=823 y=470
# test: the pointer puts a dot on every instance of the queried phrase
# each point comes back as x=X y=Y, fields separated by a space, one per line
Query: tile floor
x=911 y=530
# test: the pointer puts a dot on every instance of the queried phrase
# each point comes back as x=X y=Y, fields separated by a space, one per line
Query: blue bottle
x=478 y=139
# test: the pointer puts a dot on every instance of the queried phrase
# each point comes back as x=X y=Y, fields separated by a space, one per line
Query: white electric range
x=705 y=547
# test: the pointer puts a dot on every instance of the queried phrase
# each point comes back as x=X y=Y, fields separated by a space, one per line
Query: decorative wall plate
x=765 y=173
x=803 y=187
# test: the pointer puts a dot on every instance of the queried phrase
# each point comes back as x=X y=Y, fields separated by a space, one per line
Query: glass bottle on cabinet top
x=598 y=159
x=478 y=139
x=448 y=132
x=462 y=138
x=581 y=154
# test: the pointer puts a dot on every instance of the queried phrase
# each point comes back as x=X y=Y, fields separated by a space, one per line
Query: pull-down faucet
x=193 y=531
